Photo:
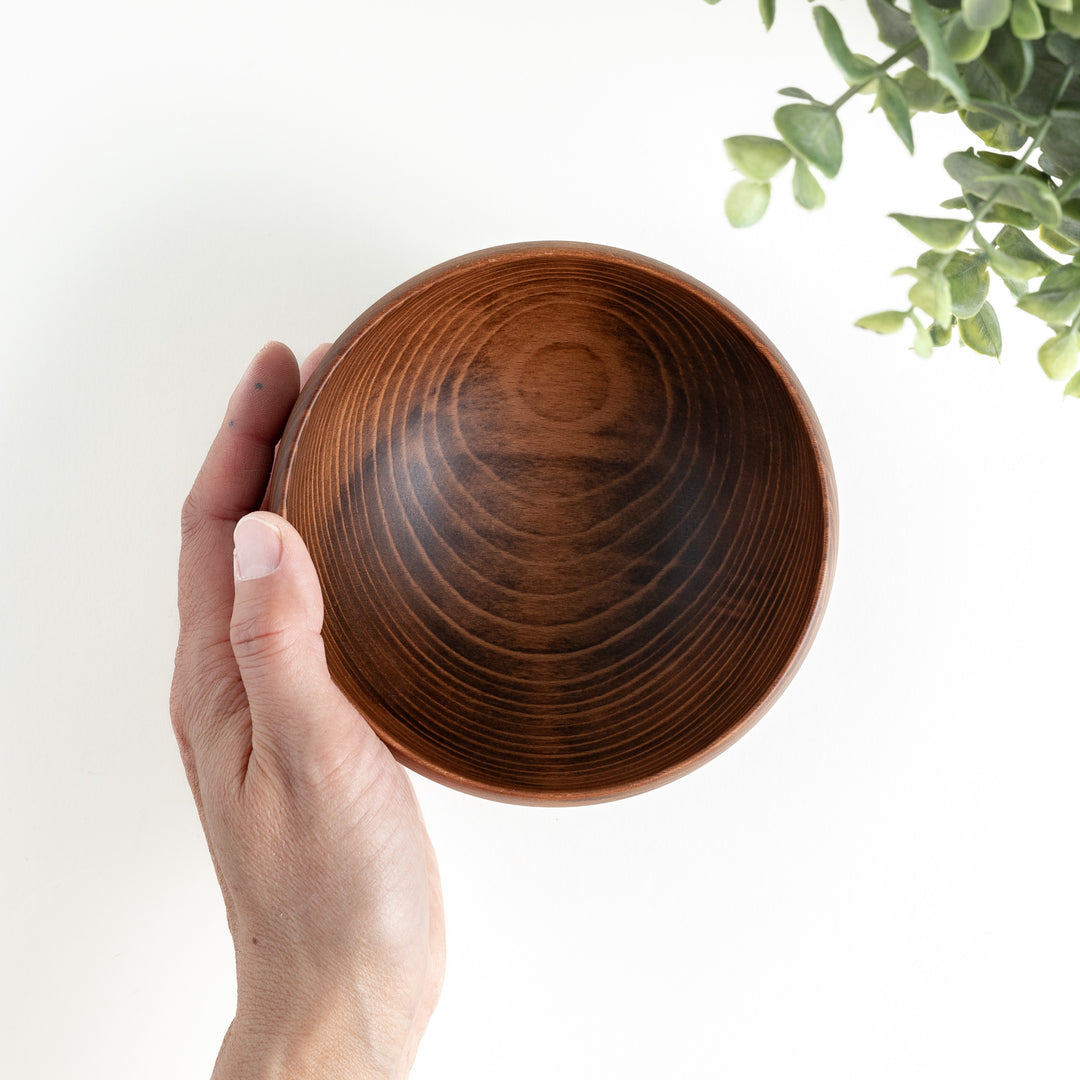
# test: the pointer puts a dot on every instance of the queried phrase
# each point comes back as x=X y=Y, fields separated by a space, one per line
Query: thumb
x=298 y=715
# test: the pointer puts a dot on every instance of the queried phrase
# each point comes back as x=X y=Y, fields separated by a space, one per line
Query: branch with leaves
x=1010 y=70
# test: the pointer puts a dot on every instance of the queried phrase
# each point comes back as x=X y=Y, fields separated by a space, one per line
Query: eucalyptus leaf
x=1008 y=266
x=1015 y=244
x=1062 y=142
x=982 y=332
x=986 y=180
x=795 y=92
x=924 y=343
x=969 y=282
x=1026 y=20
x=891 y=99
x=808 y=192
x=895 y=29
x=1061 y=46
x=931 y=294
x=963 y=42
x=1017 y=287
x=941 y=335
x=1002 y=134
x=1068 y=22
x=1052 y=238
x=746 y=203
x=986 y=14
x=756 y=156
x=1058 y=356
x=814 y=133
x=942 y=234
x=883 y=322
x=1072 y=387
x=1058 y=5
x=939 y=66
x=1057 y=300
x=923 y=94
x=854 y=68
x=767 y=10
x=1011 y=59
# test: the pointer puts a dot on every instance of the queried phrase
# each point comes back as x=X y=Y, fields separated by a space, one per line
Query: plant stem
x=881 y=69
x=1037 y=138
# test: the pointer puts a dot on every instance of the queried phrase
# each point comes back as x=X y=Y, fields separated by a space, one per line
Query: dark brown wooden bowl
x=574 y=519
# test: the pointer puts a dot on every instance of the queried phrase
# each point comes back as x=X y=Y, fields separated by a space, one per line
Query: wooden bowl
x=574 y=519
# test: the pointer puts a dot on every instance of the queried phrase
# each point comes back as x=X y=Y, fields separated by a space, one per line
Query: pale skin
x=329 y=879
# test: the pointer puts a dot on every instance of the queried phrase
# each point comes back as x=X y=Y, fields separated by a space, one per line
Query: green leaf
x=1072 y=387
x=982 y=332
x=1008 y=266
x=1061 y=46
x=1013 y=242
x=964 y=43
x=1012 y=60
x=808 y=192
x=795 y=92
x=1059 y=355
x=1067 y=22
x=1026 y=21
x=986 y=180
x=939 y=66
x=767 y=10
x=923 y=94
x=924 y=344
x=756 y=156
x=853 y=68
x=1054 y=239
x=986 y=14
x=814 y=133
x=1062 y=141
x=942 y=234
x=941 y=335
x=1058 y=298
x=969 y=283
x=746 y=202
x=891 y=99
x=1001 y=134
x=895 y=29
x=931 y=294
x=1058 y=5
x=883 y=322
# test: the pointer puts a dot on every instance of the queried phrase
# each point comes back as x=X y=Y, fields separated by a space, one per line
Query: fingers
x=231 y=482
x=299 y=718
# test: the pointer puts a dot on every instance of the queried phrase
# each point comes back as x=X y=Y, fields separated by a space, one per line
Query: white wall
x=879 y=880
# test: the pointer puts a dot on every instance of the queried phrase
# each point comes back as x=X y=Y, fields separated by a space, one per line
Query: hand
x=330 y=882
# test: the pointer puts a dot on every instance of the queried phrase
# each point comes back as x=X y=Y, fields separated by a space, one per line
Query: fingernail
x=257 y=548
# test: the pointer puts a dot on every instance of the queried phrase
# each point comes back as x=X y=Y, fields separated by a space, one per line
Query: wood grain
x=573 y=516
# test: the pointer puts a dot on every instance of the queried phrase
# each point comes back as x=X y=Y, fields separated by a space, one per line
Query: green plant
x=1010 y=70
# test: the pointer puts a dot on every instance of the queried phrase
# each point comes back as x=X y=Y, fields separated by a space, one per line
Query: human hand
x=329 y=879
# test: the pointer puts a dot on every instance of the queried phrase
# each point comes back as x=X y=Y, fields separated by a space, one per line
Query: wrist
x=317 y=1045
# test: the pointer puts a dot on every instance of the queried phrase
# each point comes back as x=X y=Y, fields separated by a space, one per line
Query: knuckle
x=260 y=637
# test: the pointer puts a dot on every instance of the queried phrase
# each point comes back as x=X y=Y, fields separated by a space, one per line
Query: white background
x=878 y=881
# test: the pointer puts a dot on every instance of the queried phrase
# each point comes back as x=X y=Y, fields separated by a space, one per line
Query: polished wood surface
x=573 y=515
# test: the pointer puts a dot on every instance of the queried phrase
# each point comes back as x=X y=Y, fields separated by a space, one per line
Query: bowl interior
x=572 y=516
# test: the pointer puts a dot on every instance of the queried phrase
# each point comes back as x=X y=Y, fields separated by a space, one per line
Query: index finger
x=231 y=483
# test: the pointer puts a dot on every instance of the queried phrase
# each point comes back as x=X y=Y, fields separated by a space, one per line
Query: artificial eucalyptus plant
x=1010 y=69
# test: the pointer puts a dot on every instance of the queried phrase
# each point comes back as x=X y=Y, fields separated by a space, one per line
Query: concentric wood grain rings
x=573 y=515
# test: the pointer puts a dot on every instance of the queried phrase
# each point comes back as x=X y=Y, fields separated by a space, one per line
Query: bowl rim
x=504 y=254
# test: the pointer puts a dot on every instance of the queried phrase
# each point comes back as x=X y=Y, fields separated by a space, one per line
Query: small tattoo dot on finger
x=258 y=386
x=231 y=422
